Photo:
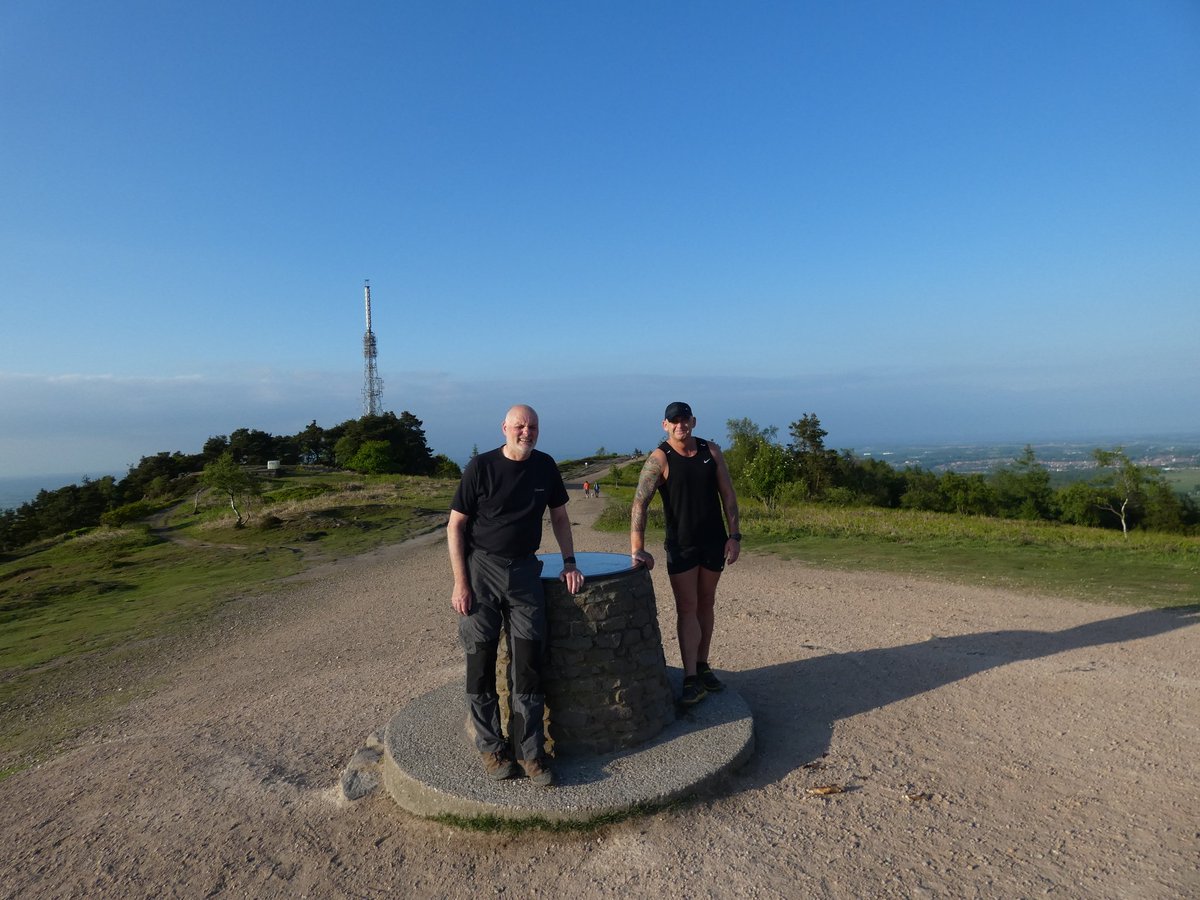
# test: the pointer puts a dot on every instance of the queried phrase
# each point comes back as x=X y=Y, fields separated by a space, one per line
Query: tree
x=870 y=480
x=1123 y=486
x=413 y=455
x=373 y=458
x=345 y=448
x=254 y=447
x=406 y=435
x=1023 y=489
x=1130 y=494
x=227 y=477
x=1079 y=504
x=214 y=447
x=767 y=473
x=1165 y=510
x=152 y=472
x=445 y=467
x=968 y=494
x=57 y=511
x=745 y=438
x=814 y=464
x=313 y=445
x=922 y=490
x=745 y=429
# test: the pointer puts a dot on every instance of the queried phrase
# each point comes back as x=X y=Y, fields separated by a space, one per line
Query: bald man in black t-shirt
x=494 y=532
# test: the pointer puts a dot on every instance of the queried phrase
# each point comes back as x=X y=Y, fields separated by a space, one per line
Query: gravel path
x=990 y=744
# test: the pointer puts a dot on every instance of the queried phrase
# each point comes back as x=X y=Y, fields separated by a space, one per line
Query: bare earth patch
x=984 y=743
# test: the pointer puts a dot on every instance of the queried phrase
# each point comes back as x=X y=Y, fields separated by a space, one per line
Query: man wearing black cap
x=694 y=481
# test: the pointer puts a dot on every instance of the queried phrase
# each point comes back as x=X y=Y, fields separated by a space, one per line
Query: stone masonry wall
x=606 y=676
x=606 y=682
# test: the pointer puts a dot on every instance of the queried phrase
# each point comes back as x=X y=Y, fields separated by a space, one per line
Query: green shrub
x=130 y=512
x=445 y=467
x=841 y=496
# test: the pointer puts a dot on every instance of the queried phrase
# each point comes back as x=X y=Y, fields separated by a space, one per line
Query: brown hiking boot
x=538 y=772
x=498 y=765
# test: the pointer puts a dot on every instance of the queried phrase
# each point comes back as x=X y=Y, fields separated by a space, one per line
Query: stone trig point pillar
x=611 y=719
x=606 y=676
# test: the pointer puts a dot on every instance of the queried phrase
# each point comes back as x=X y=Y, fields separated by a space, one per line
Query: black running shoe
x=693 y=691
x=708 y=678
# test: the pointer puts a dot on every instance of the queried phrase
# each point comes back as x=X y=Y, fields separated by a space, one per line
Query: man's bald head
x=520 y=432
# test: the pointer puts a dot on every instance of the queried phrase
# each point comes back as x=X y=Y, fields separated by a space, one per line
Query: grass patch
x=106 y=586
x=1145 y=569
x=500 y=825
x=100 y=600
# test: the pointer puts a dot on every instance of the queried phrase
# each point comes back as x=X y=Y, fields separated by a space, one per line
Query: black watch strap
x=568 y=560
x=736 y=536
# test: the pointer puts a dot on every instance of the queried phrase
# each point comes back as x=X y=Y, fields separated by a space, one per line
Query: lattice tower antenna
x=372 y=391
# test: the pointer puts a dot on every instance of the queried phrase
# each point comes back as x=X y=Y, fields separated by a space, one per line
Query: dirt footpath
x=990 y=744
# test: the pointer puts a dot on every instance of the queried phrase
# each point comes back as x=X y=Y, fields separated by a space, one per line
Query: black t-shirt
x=505 y=501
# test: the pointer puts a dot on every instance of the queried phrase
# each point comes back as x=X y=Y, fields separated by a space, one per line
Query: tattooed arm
x=653 y=473
x=733 y=548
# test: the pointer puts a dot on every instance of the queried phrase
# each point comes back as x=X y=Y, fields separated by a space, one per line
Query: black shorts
x=711 y=556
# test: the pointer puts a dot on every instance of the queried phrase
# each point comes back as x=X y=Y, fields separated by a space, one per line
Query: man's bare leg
x=706 y=601
x=686 y=587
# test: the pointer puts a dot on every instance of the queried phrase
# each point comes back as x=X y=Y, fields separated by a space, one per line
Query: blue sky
x=922 y=221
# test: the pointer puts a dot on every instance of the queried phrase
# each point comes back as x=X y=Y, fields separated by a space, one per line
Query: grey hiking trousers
x=505 y=591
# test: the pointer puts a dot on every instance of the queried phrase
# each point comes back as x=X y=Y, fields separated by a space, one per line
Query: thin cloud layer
x=100 y=423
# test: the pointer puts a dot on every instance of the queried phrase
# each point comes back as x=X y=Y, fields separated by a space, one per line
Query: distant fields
x=1184 y=480
x=1177 y=458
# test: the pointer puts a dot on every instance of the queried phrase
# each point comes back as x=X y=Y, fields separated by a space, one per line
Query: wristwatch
x=568 y=560
x=736 y=536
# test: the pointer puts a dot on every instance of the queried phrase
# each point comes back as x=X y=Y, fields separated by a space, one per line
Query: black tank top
x=691 y=501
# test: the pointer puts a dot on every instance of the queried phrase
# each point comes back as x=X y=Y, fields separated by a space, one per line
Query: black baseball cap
x=677 y=409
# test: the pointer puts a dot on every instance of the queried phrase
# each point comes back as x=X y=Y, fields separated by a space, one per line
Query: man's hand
x=733 y=549
x=642 y=558
x=461 y=599
x=572 y=577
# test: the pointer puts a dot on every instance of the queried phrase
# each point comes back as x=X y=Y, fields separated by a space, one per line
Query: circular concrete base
x=431 y=769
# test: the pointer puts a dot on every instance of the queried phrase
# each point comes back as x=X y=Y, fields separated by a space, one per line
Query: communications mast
x=372 y=391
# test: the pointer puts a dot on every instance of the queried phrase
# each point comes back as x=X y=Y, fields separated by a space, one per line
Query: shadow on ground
x=795 y=714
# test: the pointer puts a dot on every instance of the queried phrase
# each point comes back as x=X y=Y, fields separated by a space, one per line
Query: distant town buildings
x=1058 y=457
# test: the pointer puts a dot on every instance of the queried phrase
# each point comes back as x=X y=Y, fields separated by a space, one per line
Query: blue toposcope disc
x=592 y=565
